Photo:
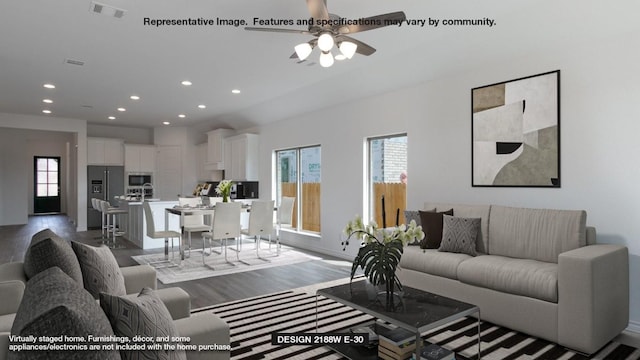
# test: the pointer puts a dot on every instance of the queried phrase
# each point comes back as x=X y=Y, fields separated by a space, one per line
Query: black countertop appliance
x=239 y=189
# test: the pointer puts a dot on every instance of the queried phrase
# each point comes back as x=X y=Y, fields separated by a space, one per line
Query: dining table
x=206 y=210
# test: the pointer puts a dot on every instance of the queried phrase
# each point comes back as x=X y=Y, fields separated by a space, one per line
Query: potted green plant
x=224 y=189
x=380 y=251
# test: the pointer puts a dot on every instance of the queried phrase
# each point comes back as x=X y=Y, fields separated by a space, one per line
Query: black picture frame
x=515 y=132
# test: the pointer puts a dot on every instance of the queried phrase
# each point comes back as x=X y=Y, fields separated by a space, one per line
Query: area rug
x=252 y=321
x=192 y=267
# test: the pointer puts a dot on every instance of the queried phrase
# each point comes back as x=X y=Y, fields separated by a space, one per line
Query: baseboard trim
x=634 y=327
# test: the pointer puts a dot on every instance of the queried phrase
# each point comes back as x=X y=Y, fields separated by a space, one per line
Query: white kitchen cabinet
x=241 y=157
x=201 y=162
x=105 y=151
x=216 y=148
x=139 y=158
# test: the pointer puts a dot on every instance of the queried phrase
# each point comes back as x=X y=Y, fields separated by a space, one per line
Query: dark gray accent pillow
x=53 y=305
x=100 y=270
x=459 y=235
x=432 y=227
x=48 y=250
x=145 y=315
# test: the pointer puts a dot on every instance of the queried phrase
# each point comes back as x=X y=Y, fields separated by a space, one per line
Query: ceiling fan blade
x=288 y=31
x=374 y=22
x=362 y=49
x=318 y=9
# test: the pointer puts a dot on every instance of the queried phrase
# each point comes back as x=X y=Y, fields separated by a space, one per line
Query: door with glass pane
x=298 y=174
x=46 y=184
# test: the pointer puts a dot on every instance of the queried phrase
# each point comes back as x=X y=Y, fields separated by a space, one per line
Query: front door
x=46 y=184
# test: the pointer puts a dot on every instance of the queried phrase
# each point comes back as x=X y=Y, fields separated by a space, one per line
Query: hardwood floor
x=15 y=239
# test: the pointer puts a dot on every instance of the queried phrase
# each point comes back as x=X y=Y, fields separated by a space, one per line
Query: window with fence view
x=298 y=176
x=388 y=179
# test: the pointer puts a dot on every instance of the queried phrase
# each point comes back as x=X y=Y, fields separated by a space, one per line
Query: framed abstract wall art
x=515 y=132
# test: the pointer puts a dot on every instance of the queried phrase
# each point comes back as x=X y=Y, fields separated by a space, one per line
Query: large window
x=387 y=180
x=298 y=175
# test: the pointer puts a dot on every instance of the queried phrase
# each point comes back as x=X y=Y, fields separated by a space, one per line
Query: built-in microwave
x=139 y=180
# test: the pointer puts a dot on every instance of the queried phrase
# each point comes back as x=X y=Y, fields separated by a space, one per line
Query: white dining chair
x=192 y=222
x=163 y=234
x=284 y=218
x=225 y=226
x=260 y=223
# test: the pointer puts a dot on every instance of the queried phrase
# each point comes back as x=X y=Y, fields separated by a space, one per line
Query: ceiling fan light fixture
x=340 y=57
x=325 y=42
x=326 y=59
x=348 y=49
x=303 y=50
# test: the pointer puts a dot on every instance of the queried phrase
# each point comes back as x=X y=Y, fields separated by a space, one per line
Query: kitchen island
x=136 y=231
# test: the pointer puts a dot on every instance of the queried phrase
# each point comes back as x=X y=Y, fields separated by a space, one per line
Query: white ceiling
x=124 y=57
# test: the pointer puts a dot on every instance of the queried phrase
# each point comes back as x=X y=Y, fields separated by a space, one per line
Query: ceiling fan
x=330 y=29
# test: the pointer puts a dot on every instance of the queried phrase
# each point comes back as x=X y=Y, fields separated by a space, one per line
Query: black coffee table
x=414 y=310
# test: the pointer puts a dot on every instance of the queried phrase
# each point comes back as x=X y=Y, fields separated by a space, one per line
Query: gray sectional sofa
x=51 y=294
x=538 y=271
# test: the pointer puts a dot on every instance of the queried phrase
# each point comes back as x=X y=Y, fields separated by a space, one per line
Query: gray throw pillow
x=48 y=250
x=53 y=305
x=145 y=315
x=412 y=215
x=100 y=270
x=459 y=235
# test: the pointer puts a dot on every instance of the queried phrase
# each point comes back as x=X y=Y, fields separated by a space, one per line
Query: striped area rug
x=253 y=320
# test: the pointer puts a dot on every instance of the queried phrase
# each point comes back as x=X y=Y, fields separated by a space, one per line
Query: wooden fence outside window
x=395 y=196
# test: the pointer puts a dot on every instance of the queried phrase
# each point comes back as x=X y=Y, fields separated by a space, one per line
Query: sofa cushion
x=539 y=234
x=12 y=271
x=100 y=270
x=6 y=321
x=459 y=235
x=433 y=262
x=525 y=277
x=432 y=227
x=54 y=305
x=145 y=316
x=48 y=250
x=470 y=211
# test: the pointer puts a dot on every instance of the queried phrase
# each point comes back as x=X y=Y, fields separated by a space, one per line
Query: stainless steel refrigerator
x=104 y=182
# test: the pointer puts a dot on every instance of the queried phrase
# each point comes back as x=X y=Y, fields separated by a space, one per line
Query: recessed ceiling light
x=111 y=117
x=235 y=91
x=46 y=111
x=166 y=123
x=49 y=86
x=182 y=116
x=122 y=109
x=48 y=101
x=202 y=106
x=134 y=97
x=186 y=83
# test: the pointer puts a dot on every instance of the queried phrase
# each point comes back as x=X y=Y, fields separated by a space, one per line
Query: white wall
x=130 y=135
x=599 y=126
x=78 y=129
x=341 y=132
x=14 y=167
